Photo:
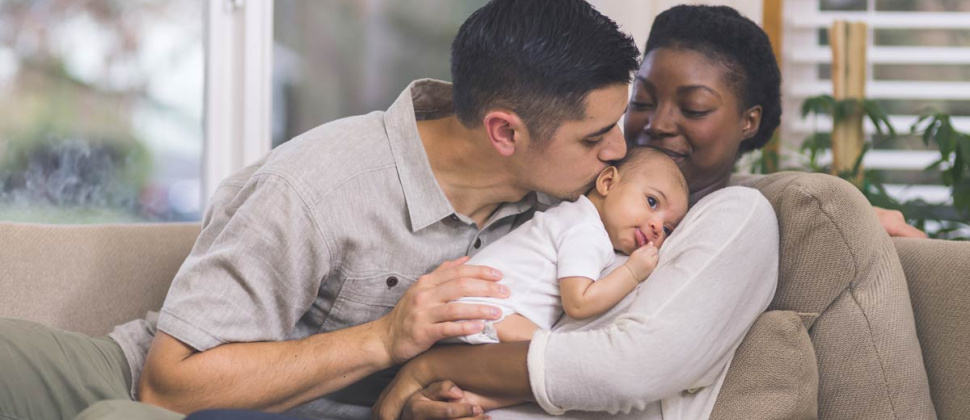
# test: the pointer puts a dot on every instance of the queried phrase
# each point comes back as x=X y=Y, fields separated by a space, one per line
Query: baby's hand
x=642 y=261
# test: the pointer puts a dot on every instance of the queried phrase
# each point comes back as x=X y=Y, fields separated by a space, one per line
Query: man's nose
x=614 y=146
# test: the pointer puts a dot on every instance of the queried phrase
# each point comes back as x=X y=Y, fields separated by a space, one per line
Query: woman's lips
x=676 y=156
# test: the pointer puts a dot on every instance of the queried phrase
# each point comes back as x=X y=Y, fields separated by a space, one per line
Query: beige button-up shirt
x=327 y=232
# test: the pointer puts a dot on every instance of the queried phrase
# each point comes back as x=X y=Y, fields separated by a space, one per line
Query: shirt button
x=478 y=243
x=391 y=282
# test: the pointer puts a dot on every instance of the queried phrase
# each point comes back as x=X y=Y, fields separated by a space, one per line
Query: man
x=308 y=282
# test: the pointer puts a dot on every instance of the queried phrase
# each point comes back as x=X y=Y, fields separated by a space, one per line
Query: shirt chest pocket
x=365 y=298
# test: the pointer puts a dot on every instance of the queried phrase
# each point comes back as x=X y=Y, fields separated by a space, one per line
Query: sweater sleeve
x=717 y=273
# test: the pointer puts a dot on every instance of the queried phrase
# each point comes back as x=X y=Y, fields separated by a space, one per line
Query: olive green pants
x=47 y=373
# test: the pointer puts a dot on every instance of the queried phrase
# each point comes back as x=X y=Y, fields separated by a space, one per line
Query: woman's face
x=682 y=103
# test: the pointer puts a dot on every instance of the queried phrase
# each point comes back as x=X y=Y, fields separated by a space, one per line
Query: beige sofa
x=861 y=326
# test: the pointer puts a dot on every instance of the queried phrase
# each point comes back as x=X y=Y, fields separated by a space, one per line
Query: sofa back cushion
x=89 y=278
x=836 y=260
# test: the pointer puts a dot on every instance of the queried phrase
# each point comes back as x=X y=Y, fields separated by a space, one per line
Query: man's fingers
x=445 y=273
x=470 y=287
x=456 y=311
x=453 y=263
x=445 y=330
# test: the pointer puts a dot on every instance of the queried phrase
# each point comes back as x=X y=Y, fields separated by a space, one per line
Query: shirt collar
x=422 y=99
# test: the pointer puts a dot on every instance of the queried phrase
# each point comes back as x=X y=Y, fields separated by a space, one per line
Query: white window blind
x=918 y=57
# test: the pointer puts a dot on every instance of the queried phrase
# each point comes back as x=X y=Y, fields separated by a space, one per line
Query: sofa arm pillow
x=774 y=373
x=938 y=274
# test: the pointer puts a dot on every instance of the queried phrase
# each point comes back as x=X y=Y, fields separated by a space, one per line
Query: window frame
x=238 y=88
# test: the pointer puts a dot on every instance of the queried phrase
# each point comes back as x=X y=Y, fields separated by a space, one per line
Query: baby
x=552 y=262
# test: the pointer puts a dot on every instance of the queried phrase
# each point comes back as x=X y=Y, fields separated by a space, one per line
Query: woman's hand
x=895 y=224
x=411 y=396
x=420 y=391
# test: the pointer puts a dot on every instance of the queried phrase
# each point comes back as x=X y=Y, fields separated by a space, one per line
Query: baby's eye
x=652 y=201
x=667 y=231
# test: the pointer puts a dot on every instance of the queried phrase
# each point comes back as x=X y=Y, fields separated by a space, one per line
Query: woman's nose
x=661 y=123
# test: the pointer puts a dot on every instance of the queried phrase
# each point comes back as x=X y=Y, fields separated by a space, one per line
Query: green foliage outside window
x=936 y=130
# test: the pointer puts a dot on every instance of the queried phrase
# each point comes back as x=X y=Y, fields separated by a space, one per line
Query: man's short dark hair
x=735 y=43
x=537 y=58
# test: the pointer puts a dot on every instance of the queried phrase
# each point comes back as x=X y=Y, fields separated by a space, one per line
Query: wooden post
x=848 y=42
x=771 y=21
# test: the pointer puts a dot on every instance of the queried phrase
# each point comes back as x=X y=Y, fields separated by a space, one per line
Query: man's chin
x=572 y=196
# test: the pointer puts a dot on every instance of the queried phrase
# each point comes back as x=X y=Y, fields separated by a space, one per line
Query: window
x=335 y=58
x=919 y=51
x=102 y=110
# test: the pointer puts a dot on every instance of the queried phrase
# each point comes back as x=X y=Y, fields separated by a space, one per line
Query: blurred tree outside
x=101 y=103
x=336 y=58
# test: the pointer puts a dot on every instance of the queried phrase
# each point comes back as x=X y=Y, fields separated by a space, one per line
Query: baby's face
x=644 y=207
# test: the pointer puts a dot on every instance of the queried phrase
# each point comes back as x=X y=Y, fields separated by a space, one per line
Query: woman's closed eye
x=690 y=113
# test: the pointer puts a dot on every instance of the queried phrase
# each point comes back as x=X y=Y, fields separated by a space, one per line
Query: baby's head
x=641 y=199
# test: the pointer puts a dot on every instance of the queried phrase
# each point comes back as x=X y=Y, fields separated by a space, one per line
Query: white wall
x=636 y=16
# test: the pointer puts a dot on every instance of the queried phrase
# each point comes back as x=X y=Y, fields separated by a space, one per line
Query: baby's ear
x=606 y=180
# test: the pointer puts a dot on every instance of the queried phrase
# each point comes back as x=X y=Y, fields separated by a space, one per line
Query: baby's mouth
x=640 y=237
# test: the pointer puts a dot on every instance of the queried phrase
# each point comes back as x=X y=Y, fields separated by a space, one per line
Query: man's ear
x=505 y=130
x=607 y=180
x=751 y=122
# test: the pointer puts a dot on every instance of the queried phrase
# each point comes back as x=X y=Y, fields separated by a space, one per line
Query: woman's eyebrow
x=690 y=88
x=646 y=84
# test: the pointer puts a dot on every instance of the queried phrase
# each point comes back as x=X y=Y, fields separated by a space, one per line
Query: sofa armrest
x=89 y=278
x=938 y=275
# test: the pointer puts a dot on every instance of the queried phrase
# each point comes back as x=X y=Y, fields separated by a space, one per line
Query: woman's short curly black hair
x=734 y=42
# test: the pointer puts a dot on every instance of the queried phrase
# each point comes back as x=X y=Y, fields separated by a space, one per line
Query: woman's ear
x=607 y=180
x=505 y=130
x=751 y=122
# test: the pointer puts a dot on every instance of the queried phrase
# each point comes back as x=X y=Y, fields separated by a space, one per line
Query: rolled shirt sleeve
x=582 y=251
x=254 y=271
x=717 y=273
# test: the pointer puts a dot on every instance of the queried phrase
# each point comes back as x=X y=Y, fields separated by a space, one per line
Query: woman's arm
x=498 y=371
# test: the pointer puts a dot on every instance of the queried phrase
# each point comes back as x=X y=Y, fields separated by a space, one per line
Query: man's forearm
x=272 y=376
x=497 y=370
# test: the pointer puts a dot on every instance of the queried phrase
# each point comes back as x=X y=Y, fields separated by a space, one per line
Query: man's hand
x=642 y=261
x=895 y=224
x=426 y=313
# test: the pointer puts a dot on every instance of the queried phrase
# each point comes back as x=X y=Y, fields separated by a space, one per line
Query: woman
x=707 y=92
